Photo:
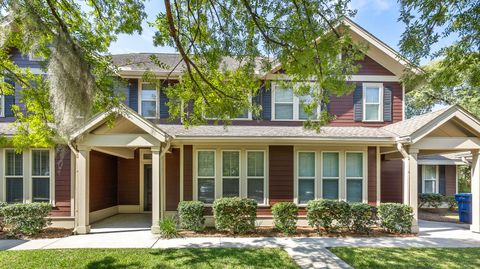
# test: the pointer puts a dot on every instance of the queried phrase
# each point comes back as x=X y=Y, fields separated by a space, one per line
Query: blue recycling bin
x=464 y=201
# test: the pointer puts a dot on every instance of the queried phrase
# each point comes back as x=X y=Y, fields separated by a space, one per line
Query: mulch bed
x=438 y=214
x=303 y=231
x=45 y=234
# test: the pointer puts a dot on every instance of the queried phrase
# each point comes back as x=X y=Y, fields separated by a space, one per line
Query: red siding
x=450 y=179
x=63 y=190
x=103 y=180
x=372 y=175
x=342 y=108
x=172 y=176
x=129 y=180
x=371 y=67
x=187 y=172
x=391 y=181
x=280 y=173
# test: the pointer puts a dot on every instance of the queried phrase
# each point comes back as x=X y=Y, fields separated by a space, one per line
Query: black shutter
x=387 y=104
x=420 y=179
x=9 y=100
x=358 y=103
x=441 y=180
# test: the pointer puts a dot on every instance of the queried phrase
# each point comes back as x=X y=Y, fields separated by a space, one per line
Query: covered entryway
x=123 y=223
x=118 y=171
x=448 y=130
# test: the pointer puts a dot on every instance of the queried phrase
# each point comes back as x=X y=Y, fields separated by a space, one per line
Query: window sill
x=374 y=121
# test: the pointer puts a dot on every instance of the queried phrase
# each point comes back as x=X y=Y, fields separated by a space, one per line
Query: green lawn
x=409 y=257
x=147 y=258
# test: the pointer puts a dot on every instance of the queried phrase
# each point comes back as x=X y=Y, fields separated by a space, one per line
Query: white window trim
x=364 y=177
x=326 y=178
x=297 y=176
x=295 y=103
x=232 y=177
x=265 y=186
x=218 y=175
x=33 y=58
x=437 y=178
x=380 y=99
x=157 y=100
x=2 y=102
x=342 y=183
x=5 y=176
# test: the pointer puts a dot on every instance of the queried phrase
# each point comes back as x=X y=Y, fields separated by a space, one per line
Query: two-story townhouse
x=369 y=153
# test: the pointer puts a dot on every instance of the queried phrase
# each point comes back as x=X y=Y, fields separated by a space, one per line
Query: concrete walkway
x=307 y=252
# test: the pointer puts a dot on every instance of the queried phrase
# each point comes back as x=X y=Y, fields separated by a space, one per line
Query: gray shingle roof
x=275 y=132
x=409 y=126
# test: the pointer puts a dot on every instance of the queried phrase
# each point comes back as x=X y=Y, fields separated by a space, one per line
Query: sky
x=379 y=17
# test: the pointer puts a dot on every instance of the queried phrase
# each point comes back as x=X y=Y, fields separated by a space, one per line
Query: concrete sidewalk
x=307 y=252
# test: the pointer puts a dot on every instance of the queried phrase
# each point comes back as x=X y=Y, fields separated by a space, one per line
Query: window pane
x=330 y=164
x=149 y=92
x=283 y=111
x=14 y=190
x=41 y=189
x=372 y=95
x=303 y=115
x=255 y=164
x=354 y=190
x=306 y=164
x=40 y=163
x=206 y=165
x=13 y=163
x=255 y=189
x=354 y=165
x=230 y=187
x=244 y=115
x=371 y=112
x=306 y=190
x=149 y=108
x=429 y=186
x=330 y=189
x=430 y=172
x=231 y=163
x=283 y=95
x=206 y=190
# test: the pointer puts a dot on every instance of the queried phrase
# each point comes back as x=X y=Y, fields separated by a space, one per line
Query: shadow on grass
x=110 y=263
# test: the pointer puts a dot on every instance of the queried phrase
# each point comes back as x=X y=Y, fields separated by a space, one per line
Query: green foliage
x=453 y=76
x=27 y=219
x=235 y=215
x=396 y=218
x=430 y=199
x=285 y=216
x=363 y=217
x=168 y=228
x=464 y=179
x=2 y=221
x=452 y=203
x=329 y=214
x=190 y=215
x=235 y=41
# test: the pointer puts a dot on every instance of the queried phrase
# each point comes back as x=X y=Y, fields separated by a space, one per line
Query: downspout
x=406 y=173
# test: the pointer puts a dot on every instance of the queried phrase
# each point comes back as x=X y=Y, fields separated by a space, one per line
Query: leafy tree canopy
x=454 y=75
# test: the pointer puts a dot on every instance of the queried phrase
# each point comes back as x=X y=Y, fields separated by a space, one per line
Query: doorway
x=146 y=178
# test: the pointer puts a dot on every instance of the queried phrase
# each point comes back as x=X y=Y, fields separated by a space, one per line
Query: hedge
x=190 y=215
x=329 y=214
x=285 y=216
x=2 y=223
x=396 y=218
x=363 y=217
x=235 y=215
x=27 y=219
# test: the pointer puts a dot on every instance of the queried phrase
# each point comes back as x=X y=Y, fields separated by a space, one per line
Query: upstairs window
x=287 y=106
x=372 y=102
x=149 y=101
x=14 y=176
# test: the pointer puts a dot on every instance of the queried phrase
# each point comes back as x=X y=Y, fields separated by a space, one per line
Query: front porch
x=123 y=223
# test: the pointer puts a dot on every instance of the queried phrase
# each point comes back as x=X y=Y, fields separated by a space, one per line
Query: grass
x=147 y=258
x=409 y=257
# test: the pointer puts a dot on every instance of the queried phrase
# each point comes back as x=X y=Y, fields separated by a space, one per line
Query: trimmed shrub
x=329 y=214
x=2 y=223
x=430 y=199
x=285 y=215
x=396 y=218
x=452 y=203
x=168 y=228
x=363 y=216
x=190 y=215
x=235 y=215
x=27 y=219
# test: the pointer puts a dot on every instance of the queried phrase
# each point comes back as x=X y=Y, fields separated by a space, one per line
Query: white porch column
x=156 y=208
x=406 y=181
x=475 y=227
x=82 y=191
x=413 y=175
